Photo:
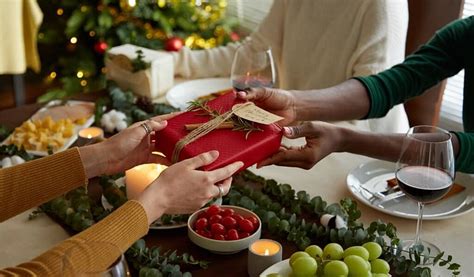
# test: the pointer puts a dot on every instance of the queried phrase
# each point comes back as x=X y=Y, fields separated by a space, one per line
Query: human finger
x=306 y=129
x=225 y=172
x=166 y=116
x=201 y=159
x=225 y=185
x=256 y=94
x=287 y=155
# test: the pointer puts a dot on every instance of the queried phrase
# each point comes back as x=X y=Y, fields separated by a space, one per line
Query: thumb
x=303 y=130
x=255 y=94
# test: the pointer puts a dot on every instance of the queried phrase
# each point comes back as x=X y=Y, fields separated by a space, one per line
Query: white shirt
x=318 y=44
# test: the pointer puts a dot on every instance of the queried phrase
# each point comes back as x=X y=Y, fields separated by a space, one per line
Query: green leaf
x=105 y=20
x=52 y=94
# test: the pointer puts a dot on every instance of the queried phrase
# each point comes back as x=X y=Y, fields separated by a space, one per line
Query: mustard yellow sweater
x=33 y=183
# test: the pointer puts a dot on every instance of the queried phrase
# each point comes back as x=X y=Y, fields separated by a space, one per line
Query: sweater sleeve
x=121 y=228
x=440 y=58
x=465 y=158
x=35 y=182
x=217 y=62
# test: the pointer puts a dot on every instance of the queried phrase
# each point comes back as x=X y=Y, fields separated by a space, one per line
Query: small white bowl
x=224 y=246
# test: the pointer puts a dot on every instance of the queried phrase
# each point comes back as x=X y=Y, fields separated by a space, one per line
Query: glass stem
x=419 y=223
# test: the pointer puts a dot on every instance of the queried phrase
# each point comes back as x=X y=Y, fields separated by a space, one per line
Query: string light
x=91 y=33
x=80 y=74
x=132 y=3
x=83 y=83
x=103 y=70
x=73 y=40
x=161 y=3
x=52 y=75
x=59 y=11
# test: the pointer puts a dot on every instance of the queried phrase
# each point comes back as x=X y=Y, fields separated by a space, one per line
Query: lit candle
x=90 y=135
x=262 y=254
x=140 y=177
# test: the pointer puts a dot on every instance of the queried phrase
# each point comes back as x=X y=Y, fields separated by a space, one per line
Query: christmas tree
x=76 y=34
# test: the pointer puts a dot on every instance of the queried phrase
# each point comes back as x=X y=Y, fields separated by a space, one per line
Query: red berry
x=213 y=210
x=215 y=219
x=202 y=214
x=232 y=234
x=238 y=218
x=204 y=233
x=229 y=222
x=243 y=235
x=218 y=237
x=227 y=212
x=254 y=221
x=200 y=224
x=217 y=229
x=246 y=226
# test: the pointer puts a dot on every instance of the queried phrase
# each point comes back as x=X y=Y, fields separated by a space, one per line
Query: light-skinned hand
x=182 y=188
x=124 y=150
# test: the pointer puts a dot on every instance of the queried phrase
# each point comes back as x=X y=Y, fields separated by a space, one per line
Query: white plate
x=374 y=175
x=157 y=225
x=179 y=95
x=69 y=141
x=283 y=268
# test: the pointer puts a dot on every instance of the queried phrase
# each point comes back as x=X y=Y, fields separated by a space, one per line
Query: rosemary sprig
x=239 y=124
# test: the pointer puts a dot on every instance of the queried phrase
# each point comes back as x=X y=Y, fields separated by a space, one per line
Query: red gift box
x=231 y=144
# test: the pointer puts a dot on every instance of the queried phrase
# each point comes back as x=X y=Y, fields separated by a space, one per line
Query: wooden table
x=328 y=179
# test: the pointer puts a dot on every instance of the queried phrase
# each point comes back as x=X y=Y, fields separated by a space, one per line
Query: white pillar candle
x=139 y=177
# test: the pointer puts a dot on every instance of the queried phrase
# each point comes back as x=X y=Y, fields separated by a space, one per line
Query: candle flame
x=89 y=136
x=267 y=252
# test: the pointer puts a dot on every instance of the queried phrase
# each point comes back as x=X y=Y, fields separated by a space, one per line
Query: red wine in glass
x=424 y=184
x=425 y=172
x=253 y=67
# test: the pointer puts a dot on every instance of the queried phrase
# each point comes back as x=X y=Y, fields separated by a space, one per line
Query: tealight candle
x=140 y=177
x=90 y=135
x=262 y=254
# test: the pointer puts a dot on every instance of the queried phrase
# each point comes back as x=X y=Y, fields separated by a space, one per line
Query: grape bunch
x=334 y=261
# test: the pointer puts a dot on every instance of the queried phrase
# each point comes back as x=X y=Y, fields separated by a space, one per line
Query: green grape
x=336 y=269
x=379 y=275
x=274 y=275
x=357 y=265
x=375 y=250
x=358 y=251
x=304 y=266
x=380 y=266
x=314 y=251
x=297 y=255
x=333 y=251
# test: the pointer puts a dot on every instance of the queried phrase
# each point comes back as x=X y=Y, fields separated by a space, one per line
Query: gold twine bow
x=202 y=131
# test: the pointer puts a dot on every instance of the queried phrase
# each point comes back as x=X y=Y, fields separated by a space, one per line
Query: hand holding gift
x=232 y=126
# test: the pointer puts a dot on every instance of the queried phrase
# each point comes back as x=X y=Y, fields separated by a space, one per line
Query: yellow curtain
x=19 y=24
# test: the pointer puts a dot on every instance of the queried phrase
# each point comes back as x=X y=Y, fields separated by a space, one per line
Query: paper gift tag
x=253 y=113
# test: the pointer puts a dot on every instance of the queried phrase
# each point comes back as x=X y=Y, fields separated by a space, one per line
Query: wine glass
x=252 y=67
x=425 y=172
x=92 y=258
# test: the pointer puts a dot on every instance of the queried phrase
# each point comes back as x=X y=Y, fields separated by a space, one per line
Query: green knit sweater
x=448 y=52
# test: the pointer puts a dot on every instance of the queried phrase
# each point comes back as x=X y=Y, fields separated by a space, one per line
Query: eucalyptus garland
x=295 y=216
